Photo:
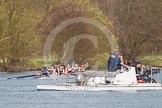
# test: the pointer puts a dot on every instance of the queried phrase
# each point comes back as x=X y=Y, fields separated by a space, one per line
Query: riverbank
x=34 y=65
x=151 y=60
x=17 y=68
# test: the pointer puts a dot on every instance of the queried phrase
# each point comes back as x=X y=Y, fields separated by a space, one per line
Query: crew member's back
x=112 y=65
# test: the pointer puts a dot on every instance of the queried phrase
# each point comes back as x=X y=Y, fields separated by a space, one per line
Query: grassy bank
x=151 y=60
x=100 y=61
x=146 y=60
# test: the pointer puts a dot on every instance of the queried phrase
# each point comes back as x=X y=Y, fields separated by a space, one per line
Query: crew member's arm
x=122 y=62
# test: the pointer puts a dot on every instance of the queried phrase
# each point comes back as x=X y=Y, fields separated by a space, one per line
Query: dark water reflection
x=22 y=93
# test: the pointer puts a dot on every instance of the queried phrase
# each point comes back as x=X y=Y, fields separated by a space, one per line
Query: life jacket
x=118 y=64
x=137 y=70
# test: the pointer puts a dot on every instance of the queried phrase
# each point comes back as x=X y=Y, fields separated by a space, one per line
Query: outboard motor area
x=82 y=79
x=126 y=77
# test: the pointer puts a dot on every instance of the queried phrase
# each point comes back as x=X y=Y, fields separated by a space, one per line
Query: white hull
x=101 y=87
x=124 y=81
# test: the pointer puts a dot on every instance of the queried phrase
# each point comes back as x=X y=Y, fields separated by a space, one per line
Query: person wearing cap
x=141 y=76
x=75 y=69
x=115 y=62
x=138 y=67
x=45 y=71
x=111 y=65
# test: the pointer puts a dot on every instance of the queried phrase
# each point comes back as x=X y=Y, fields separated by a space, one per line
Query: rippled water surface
x=22 y=93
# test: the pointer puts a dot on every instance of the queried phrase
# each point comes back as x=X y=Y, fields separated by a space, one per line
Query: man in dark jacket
x=112 y=65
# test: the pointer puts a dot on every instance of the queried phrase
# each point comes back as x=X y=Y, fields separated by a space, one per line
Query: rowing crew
x=68 y=69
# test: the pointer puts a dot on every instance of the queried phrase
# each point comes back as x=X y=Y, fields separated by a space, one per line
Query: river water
x=22 y=93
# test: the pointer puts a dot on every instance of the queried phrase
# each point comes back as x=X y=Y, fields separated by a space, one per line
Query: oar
x=26 y=76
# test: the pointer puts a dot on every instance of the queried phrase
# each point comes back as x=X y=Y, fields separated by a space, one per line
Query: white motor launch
x=126 y=77
x=125 y=80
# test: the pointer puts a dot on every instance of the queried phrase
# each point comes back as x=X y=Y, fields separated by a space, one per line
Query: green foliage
x=18 y=36
x=151 y=60
x=102 y=59
x=25 y=25
x=19 y=39
x=59 y=11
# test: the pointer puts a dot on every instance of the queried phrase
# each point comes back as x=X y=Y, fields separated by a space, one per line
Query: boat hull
x=100 y=87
